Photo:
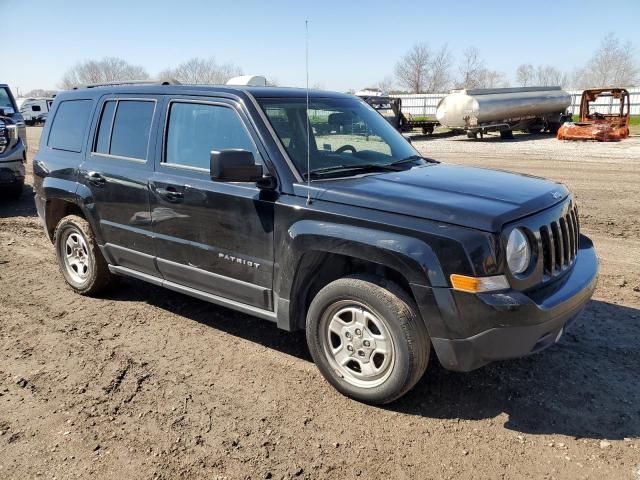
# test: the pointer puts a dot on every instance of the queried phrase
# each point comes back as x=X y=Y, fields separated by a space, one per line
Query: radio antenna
x=306 y=31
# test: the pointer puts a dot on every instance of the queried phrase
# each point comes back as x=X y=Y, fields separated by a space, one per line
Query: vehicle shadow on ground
x=585 y=387
x=22 y=207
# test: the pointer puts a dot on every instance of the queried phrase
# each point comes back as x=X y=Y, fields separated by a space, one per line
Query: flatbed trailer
x=391 y=109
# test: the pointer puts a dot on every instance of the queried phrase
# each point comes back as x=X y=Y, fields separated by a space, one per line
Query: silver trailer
x=478 y=111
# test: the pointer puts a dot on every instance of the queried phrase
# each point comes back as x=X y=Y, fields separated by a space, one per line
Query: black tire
x=506 y=134
x=387 y=302
x=97 y=277
x=471 y=134
x=14 y=192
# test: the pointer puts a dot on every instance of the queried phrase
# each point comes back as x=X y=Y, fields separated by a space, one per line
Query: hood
x=467 y=196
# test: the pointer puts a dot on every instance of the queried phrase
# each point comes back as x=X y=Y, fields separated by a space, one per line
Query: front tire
x=367 y=339
x=79 y=257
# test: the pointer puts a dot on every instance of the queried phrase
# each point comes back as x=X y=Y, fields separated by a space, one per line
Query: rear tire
x=367 y=338
x=79 y=257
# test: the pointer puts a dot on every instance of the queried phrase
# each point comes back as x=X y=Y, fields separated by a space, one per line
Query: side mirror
x=234 y=166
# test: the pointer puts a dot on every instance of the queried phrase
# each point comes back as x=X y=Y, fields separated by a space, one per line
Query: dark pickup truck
x=314 y=214
x=13 y=145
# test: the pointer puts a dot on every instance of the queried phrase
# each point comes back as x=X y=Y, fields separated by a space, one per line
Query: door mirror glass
x=234 y=165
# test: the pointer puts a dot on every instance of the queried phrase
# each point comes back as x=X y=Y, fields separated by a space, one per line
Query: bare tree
x=613 y=64
x=422 y=70
x=109 y=69
x=439 y=76
x=542 y=75
x=547 y=75
x=492 y=79
x=412 y=69
x=39 y=93
x=201 y=71
x=386 y=84
x=525 y=75
x=474 y=74
x=471 y=69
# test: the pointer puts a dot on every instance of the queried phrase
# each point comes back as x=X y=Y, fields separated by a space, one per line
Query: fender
x=84 y=200
x=413 y=258
x=54 y=188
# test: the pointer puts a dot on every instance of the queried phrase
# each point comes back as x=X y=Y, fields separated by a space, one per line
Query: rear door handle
x=170 y=193
x=95 y=178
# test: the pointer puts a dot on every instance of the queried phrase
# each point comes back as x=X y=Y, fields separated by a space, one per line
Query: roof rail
x=128 y=82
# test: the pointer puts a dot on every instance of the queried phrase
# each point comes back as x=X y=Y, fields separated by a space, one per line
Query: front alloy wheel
x=367 y=338
x=358 y=344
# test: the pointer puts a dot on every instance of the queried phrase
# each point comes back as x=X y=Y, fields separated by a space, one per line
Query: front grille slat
x=576 y=233
x=566 y=245
x=547 y=250
x=558 y=246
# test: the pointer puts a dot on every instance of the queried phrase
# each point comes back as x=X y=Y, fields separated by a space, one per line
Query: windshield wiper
x=413 y=158
x=365 y=166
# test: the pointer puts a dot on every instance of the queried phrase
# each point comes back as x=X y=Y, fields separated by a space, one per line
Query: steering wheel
x=344 y=148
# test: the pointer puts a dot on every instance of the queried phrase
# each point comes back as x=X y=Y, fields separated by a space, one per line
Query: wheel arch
x=318 y=253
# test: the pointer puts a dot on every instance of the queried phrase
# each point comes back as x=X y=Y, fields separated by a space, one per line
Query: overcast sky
x=352 y=44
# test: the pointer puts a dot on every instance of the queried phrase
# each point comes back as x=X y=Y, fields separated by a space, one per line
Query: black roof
x=237 y=90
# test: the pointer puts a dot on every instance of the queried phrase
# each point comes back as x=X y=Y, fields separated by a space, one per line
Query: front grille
x=4 y=140
x=559 y=242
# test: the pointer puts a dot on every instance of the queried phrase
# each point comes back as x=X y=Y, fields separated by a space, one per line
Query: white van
x=35 y=110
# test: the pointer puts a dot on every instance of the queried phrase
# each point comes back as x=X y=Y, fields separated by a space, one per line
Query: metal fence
x=425 y=104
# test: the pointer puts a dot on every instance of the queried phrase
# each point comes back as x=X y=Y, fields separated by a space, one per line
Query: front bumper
x=12 y=169
x=513 y=324
x=11 y=173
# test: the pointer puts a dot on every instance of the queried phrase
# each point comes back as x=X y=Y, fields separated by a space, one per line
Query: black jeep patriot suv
x=315 y=214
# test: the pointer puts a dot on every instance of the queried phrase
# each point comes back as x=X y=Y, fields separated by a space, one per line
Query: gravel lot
x=146 y=383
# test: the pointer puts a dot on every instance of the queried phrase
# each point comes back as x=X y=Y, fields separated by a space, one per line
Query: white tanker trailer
x=478 y=111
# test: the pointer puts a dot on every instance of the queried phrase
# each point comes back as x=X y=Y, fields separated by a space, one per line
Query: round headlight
x=518 y=251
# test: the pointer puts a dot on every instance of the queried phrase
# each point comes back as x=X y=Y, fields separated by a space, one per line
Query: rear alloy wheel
x=79 y=256
x=367 y=339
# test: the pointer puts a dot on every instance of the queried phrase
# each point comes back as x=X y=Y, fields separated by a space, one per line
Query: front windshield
x=345 y=135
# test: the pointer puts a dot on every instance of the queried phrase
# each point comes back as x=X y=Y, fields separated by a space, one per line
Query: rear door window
x=69 y=125
x=124 y=128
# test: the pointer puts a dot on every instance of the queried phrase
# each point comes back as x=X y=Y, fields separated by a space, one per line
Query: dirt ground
x=146 y=383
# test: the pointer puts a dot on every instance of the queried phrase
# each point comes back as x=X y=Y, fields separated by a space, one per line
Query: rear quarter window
x=69 y=125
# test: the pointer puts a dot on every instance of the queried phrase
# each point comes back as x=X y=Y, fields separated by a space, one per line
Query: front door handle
x=170 y=193
x=96 y=178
